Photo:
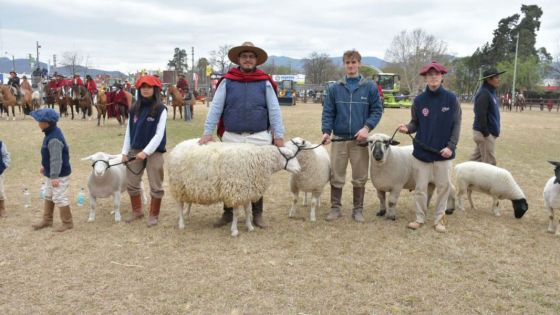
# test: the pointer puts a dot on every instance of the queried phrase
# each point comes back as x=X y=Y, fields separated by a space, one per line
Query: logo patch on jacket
x=364 y=98
x=425 y=112
x=150 y=118
x=444 y=109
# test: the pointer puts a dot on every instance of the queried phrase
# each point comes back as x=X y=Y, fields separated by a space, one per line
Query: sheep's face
x=291 y=162
x=100 y=162
x=556 y=171
x=379 y=145
x=520 y=206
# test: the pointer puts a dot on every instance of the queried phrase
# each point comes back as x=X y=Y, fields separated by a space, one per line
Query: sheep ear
x=89 y=158
x=394 y=142
x=554 y=163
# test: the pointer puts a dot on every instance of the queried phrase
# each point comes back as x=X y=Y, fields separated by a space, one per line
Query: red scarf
x=237 y=75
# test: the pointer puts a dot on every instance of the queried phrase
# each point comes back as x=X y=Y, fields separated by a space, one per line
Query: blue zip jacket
x=487 y=111
x=348 y=108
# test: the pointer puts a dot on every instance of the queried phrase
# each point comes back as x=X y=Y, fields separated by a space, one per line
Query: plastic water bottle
x=26 y=198
x=42 y=191
x=81 y=199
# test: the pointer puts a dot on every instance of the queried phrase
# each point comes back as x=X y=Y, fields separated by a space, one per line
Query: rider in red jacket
x=77 y=80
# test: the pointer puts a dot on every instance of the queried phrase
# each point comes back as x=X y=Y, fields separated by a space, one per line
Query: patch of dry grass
x=483 y=265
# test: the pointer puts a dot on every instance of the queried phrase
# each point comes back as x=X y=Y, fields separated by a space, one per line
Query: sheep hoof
x=234 y=233
x=117 y=219
x=497 y=213
x=251 y=229
x=391 y=217
x=90 y=220
x=313 y=219
x=381 y=213
x=449 y=211
x=551 y=230
x=181 y=226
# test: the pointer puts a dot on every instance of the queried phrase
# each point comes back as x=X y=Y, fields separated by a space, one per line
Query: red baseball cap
x=433 y=65
x=149 y=80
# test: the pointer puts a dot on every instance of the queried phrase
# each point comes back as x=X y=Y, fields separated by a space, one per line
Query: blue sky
x=129 y=35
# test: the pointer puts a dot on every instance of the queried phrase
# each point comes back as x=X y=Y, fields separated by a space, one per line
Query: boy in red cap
x=436 y=120
x=145 y=140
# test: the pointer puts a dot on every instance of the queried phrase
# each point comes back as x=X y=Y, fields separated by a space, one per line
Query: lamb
x=107 y=178
x=235 y=174
x=391 y=171
x=552 y=197
x=491 y=180
x=314 y=175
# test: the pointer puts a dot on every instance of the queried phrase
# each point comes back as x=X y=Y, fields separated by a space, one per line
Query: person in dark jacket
x=436 y=120
x=4 y=163
x=351 y=110
x=246 y=102
x=145 y=139
x=486 y=126
x=55 y=161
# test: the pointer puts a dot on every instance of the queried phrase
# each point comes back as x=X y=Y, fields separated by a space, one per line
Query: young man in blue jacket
x=351 y=110
x=436 y=120
x=486 y=126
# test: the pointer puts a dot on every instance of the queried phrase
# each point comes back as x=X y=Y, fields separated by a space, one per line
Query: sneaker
x=414 y=225
x=440 y=228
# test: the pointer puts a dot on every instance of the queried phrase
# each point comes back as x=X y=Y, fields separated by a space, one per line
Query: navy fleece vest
x=54 y=132
x=245 y=107
x=493 y=110
x=435 y=112
x=143 y=127
x=2 y=164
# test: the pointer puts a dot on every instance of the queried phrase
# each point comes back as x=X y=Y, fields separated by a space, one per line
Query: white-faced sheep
x=491 y=180
x=107 y=178
x=552 y=197
x=235 y=174
x=391 y=171
x=314 y=175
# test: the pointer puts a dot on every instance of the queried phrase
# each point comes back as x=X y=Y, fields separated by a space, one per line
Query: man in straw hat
x=246 y=105
x=486 y=126
x=436 y=120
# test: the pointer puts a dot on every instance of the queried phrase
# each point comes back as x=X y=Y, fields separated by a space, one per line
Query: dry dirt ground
x=483 y=265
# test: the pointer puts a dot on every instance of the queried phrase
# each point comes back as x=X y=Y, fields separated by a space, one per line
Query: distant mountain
x=297 y=64
x=22 y=66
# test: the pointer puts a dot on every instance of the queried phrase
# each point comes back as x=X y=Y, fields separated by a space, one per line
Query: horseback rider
x=25 y=85
x=182 y=84
x=91 y=87
x=14 y=83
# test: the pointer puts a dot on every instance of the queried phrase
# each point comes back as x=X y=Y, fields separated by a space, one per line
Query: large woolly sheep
x=391 y=171
x=234 y=174
x=491 y=180
x=314 y=175
x=552 y=197
x=107 y=178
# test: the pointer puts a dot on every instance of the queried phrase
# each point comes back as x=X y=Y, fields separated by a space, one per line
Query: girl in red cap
x=145 y=140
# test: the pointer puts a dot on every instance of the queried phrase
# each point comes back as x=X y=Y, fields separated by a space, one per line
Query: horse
x=62 y=97
x=176 y=100
x=9 y=100
x=101 y=106
x=50 y=96
x=114 y=107
x=519 y=102
x=506 y=102
x=82 y=99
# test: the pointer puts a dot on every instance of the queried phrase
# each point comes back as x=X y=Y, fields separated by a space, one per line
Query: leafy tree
x=178 y=62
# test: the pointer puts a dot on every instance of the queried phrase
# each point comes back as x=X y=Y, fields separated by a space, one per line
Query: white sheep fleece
x=551 y=194
x=394 y=171
x=232 y=173
x=314 y=175
x=489 y=179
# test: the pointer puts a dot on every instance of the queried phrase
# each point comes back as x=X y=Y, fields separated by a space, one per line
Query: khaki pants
x=2 y=197
x=341 y=153
x=154 y=168
x=58 y=195
x=425 y=173
x=485 y=148
x=259 y=138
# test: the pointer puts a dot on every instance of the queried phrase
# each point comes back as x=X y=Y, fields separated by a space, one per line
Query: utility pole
x=514 y=70
x=54 y=61
x=192 y=65
x=38 y=46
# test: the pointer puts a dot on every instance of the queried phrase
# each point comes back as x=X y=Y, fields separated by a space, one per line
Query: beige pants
x=58 y=195
x=259 y=138
x=341 y=153
x=2 y=187
x=154 y=168
x=425 y=173
x=485 y=148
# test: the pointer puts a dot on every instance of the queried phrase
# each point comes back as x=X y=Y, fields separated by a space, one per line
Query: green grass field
x=483 y=265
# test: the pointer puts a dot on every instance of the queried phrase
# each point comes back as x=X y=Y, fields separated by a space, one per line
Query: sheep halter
x=288 y=158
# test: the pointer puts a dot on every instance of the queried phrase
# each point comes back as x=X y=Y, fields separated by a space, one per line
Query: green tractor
x=390 y=85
